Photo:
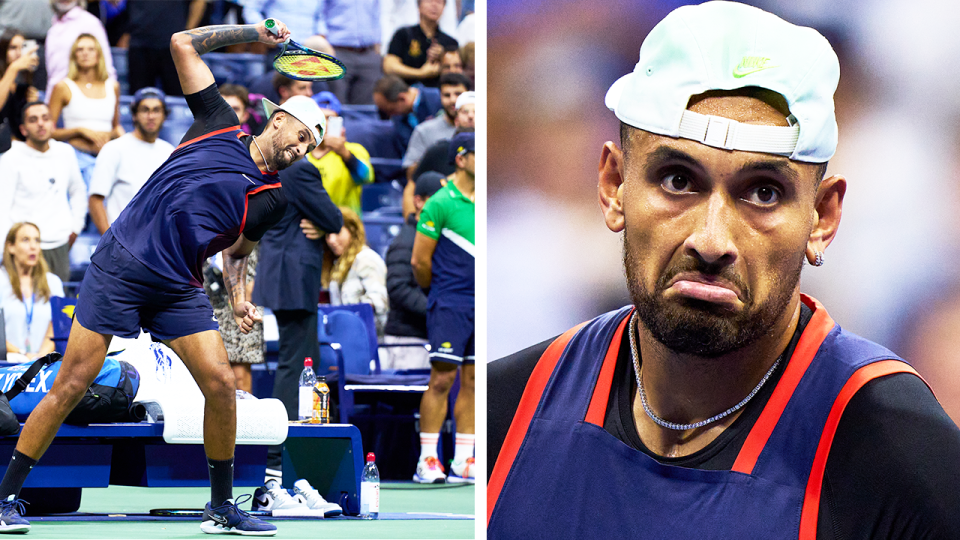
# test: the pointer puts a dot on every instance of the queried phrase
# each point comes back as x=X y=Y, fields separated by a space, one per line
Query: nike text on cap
x=303 y=109
x=724 y=45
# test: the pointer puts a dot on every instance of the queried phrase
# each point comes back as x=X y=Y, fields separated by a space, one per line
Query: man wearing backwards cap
x=723 y=403
x=219 y=190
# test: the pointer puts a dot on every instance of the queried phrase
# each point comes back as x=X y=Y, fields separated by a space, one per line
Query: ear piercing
x=818 y=258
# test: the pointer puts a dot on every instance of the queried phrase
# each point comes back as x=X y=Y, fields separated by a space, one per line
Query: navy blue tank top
x=561 y=475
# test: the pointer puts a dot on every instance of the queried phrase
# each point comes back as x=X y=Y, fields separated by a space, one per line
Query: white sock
x=464 y=447
x=428 y=445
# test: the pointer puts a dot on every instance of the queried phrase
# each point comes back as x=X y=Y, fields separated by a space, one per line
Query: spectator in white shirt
x=25 y=291
x=40 y=182
x=125 y=164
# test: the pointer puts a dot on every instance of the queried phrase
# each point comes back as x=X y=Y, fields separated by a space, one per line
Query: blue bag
x=109 y=398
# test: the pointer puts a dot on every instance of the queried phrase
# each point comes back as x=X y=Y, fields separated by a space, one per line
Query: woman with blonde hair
x=89 y=102
x=353 y=272
x=25 y=290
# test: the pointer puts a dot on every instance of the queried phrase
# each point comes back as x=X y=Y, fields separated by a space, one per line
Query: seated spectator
x=16 y=82
x=344 y=166
x=438 y=128
x=407 y=320
x=71 y=19
x=239 y=100
x=88 y=102
x=451 y=62
x=407 y=106
x=25 y=290
x=40 y=182
x=353 y=272
x=415 y=51
x=125 y=164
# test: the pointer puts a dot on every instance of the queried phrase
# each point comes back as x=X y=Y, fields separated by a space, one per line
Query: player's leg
x=205 y=357
x=86 y=351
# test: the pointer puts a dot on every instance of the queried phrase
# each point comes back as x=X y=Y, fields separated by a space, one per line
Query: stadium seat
x=61 y=315
x=348 y=341
x=379 y=138
x=385 y=194
x=381 y=227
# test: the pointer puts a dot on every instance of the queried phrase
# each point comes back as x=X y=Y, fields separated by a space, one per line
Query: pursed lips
x=705 y=287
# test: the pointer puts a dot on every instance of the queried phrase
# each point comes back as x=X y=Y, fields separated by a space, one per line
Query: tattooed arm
x=235 y=279
x=187 y=46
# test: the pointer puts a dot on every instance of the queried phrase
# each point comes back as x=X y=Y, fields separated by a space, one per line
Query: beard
x=696 y=327
x=281 y=159
x=145 y=131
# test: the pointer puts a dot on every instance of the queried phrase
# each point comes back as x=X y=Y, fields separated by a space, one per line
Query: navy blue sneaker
x=11 y=512
x=228 y=518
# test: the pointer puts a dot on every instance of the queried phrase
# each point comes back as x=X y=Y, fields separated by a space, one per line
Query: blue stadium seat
x=376 y=196
x=381 y=227
x=379 y=138
x=236 y=68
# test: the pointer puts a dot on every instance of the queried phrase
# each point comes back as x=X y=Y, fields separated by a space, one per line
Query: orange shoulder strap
x=521 y=420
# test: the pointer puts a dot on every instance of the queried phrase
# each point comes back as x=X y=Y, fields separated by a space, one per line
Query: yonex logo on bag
x=751 y=64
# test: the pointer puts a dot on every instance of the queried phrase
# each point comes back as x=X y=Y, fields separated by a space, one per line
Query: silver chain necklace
x=683 y=427
x=261 y=155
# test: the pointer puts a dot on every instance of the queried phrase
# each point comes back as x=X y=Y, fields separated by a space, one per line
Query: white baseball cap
x=303 y=109
x=724 y=45
x=465 y=98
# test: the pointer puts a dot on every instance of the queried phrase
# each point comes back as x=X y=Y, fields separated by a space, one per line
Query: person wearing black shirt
x=723 y=403
x=416 y=51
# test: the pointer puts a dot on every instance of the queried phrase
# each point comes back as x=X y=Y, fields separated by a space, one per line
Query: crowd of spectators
x=73 y=75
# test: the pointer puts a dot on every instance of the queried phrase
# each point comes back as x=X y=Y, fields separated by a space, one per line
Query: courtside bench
x=330 y=457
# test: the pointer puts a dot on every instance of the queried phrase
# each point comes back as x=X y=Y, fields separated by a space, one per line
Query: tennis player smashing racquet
x=218 y=191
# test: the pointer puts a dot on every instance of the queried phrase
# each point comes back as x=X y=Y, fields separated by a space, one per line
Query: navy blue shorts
x=119 y=295
x=451 y=333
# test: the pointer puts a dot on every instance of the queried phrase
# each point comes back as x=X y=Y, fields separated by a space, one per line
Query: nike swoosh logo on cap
x=751 y=64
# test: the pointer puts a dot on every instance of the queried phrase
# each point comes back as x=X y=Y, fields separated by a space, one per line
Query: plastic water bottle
x=307 y=382
x=321 y=402
x=370 y=490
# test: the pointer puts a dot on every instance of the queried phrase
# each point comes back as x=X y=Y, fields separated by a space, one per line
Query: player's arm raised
x=187 y=46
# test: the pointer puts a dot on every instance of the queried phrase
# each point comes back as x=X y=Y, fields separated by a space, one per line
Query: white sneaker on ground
x=314 y=500
x=278 y=501
x=462 y=472
x=429 y=471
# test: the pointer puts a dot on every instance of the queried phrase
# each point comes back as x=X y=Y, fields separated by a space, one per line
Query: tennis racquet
x=303 y=64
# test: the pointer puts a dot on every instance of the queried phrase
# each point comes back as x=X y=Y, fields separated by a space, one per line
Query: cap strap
x=729 y=134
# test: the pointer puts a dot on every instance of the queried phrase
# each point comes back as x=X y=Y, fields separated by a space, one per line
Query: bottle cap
x=322 y=378
x=370 y=457
x=308 y=362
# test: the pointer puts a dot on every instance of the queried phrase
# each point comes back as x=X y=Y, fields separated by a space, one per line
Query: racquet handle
x=271 y=26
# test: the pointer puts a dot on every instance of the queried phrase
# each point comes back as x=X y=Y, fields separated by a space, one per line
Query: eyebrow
x=777 y=167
